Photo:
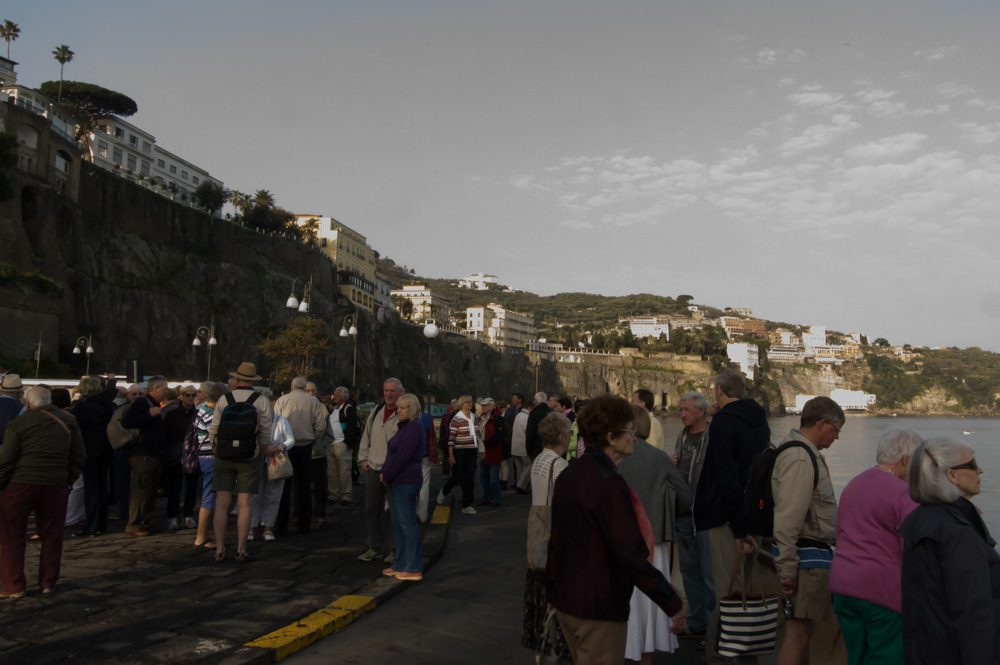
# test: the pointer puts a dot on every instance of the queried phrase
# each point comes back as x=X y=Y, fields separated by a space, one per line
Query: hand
x=746 y=545
x=673 y=458
x=111 y=376
x=155 y=411
x=364 y=465
x=380 y=478
x=480 y=457
x=679 y=621
x=451 y=459
x=714 y=409
x=789 y=585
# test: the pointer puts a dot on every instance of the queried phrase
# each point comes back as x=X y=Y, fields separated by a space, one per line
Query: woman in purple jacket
x=403 y=475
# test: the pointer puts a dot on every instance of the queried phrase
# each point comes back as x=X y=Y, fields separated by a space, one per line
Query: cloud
x=818 y=136
x=977 y=102
x=937 y=53
x=522 y=181
x=814 y=98
x=874 y=95
x=577 y=224
x=768 y=57
x=982 y=134
x=953 y=89
x=890 y=146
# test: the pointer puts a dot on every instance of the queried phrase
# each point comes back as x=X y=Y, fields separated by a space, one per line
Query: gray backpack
x=119 y=435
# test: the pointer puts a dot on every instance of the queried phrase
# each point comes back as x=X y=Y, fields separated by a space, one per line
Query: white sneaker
x=172 y=524
x=441 y=498
x=469 y=510
x=189 y=523
x=250 y=537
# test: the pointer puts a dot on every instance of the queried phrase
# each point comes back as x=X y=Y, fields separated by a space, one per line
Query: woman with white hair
x=951 y=571
x=867 y=564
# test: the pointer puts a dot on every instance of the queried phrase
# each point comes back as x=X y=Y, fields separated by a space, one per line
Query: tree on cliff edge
x=211 y=196
x=88 y=102
x=296 y=349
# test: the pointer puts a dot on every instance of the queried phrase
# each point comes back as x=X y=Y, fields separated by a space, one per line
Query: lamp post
x=293 y=302
x=208 y=332
x=430 y=332
x=83 y=345
x=349 y=329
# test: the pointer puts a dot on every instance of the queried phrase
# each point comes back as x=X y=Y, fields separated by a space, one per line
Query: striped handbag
x=747 y=622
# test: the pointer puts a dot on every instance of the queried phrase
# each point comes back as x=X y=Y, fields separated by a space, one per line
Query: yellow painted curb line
x=292 y=638
x=442 y=515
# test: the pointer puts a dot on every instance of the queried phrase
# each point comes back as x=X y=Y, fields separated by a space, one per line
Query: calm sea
x=854 y=451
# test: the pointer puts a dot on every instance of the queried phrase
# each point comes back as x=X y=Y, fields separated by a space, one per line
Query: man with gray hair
x=146 y=456
x=42 y=456
x=343 y=427
x=737 y=433
x=532 y=442
x=379 y=428
x=307 y=416
x=692 y=547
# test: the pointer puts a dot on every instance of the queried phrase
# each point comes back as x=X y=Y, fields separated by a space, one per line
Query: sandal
x=207 y=544
x=244 y=557
x=220 y=556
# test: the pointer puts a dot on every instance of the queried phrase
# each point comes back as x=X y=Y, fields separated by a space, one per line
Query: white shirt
x=517 y=445
x=281 y=433
x=540 y=474
x=335 y=425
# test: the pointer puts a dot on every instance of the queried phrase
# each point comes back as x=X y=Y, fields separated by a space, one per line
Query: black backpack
x=236 y=438
x=758 y=500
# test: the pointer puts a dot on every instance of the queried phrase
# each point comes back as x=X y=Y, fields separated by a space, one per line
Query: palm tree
x=240 y=202
x=10 y=32
x=263 y=199
x=63 y=55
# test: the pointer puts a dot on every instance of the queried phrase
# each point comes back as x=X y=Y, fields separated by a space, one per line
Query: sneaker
x=12 y=595
x=440 y=498
x=189 y=523
x=269 y=536
x=172 y=524
x=469 y=510
x=250 y=537
x=390 y=557
x=701 y=645
x=389 y=572
x=48 y=589
x=410 y=577
x=369 y=555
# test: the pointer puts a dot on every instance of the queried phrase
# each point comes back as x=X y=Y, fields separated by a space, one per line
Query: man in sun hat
x=239 y=476
x=11 y=390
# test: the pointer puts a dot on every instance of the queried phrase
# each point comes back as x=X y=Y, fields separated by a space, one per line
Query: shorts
x=236 y=476
x=812 y=598
x=207 y=463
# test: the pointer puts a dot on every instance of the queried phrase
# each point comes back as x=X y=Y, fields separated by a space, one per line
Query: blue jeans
x=403 y=512
x=489 y=478
x=696 y=571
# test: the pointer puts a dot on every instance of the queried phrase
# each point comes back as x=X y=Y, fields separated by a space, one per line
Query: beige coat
x=305 y=414
x=375 y=440
x=799 y=510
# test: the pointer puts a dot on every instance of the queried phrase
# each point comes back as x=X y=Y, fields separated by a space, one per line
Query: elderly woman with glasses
x=602 y=541
x=951 y=571
x=868 y=562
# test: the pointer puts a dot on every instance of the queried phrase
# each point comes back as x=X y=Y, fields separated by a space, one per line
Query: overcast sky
x=828 y=163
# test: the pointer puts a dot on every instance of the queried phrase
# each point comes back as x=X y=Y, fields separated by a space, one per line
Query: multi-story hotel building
x=354 y=258
x=739 y=327
x=425 y=304
x=504 y=329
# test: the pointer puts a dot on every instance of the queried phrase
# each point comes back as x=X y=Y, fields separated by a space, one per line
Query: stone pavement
x=158 y=599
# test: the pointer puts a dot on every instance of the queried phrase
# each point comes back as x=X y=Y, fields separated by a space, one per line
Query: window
x=119 y=133
x=133 y=140
x=184 y=175
x=131 y=162
x=146 y=147
x=160 y=164
x=117 y=156
x=62 y=164
x=144 y=170
x=102 y=149
x=173 y=169
x=195 y=180
x=104 y=128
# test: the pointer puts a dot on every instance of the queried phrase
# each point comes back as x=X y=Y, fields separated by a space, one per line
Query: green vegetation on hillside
x=970 y=376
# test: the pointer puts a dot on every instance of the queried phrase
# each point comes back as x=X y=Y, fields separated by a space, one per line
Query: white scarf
x=472 y=429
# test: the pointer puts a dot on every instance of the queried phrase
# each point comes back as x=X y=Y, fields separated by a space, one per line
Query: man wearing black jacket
x=145 y=457
x=531 y=439
x=738 y=431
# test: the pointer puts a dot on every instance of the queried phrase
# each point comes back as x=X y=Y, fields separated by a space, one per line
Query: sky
x=827 y=163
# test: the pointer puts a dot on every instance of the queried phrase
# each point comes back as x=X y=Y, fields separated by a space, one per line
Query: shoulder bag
x=540 y=528
x=748 y=623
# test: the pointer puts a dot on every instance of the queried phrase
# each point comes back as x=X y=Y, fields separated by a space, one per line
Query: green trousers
x=872 y=633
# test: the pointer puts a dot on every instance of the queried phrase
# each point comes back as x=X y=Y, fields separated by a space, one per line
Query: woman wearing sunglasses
x=951 y=571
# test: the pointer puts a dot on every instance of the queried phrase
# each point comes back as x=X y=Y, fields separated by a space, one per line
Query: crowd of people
x=904 y=563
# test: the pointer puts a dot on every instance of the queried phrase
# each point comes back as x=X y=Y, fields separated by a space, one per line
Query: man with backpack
x=805 y=518
x=240 y=434
x=145 y=455
x=738 y=431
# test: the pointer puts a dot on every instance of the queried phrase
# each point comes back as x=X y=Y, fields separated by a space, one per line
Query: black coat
x=951 y=587
x=93 y=417
x=532 y=442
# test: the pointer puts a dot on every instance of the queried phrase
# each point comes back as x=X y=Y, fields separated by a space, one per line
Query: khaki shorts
x=236 y=476
x=812 y=598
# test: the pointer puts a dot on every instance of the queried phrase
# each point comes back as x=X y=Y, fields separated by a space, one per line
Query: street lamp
x=430 y=332
x=208 y=332
x=349 y=329
x=294 y=303
x=84 y=344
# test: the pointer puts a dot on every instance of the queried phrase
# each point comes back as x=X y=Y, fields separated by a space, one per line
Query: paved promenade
x=157 y=599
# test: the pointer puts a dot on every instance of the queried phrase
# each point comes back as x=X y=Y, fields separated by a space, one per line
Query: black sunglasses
x=971 y=464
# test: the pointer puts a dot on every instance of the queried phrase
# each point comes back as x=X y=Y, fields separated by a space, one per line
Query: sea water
x=854 y=451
